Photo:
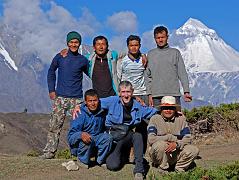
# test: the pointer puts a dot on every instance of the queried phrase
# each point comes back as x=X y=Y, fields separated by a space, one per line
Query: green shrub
x=222 y=114
x=230 y=171
x=63 y=154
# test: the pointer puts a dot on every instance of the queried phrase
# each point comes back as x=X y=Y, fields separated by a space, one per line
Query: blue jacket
x=115 y=111
x=70 y=75
x=85 y=122
x=112 y=57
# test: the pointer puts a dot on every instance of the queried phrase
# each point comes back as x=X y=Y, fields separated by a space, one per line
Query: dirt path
x=23 y=167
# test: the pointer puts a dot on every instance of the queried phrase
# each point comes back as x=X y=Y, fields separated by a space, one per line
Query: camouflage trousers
x=61 y=106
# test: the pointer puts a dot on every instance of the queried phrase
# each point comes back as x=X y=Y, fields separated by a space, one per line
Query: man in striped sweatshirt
x=169 y=138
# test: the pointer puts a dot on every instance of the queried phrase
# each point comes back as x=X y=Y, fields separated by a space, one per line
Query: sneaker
x=47 y=155
x=138 y=176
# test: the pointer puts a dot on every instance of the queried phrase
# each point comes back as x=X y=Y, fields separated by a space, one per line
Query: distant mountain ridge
x=212 y=65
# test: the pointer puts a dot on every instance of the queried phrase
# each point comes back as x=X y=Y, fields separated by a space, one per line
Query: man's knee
x=157 y=150
x=113 y=164
x=107 y=138
x=191 y=151
x=159 y=146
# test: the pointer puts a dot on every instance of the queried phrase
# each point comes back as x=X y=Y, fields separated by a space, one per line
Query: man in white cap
x=169 y=138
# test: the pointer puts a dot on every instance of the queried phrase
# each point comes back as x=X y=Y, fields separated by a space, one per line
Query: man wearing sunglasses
x=169 y=138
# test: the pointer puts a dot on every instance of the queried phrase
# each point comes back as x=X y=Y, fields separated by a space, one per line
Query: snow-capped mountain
x=213 y=66
x=7 y=59
x=23 y=77
x=203 y=50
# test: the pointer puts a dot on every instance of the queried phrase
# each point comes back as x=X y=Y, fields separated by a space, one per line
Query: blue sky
x=46 y=21
x=222 y=16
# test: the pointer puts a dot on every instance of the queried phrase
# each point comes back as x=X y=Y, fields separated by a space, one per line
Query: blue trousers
x=101 y=144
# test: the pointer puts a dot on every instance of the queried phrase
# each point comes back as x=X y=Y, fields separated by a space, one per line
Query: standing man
x=102 y=69
x=68 y=92
x=126 y=112
x=132 y=68
x=170 y=139
x=86 y=132
x=167 y=68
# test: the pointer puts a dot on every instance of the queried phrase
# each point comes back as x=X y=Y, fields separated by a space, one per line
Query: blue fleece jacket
x=115 y=111
x=70 y=75
x=86 y=122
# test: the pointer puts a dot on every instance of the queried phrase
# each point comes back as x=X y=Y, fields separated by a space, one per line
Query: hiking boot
x=47 y=155
x=138 y=176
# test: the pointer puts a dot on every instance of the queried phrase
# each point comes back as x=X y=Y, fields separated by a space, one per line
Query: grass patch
x=230 y=171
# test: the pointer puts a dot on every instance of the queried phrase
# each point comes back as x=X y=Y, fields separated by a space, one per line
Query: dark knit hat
x=73 y=35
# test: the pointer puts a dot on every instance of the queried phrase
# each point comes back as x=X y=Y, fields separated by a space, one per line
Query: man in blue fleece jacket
x=125 y=111
x=68 y=92
x=86 y=132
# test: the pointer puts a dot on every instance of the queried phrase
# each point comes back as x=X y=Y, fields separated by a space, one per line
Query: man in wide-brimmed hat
x=169 y=138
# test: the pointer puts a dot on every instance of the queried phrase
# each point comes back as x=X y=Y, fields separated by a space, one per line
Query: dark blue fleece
x=70 y=75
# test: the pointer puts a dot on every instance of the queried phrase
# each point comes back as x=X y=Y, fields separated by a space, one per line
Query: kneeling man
x=169 y=138
x=86 y=134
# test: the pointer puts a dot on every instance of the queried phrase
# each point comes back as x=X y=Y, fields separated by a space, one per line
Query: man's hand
x=171 y=147
x=144 y=60
x=52 y=95
x=86 y=138
x=151 y=102
x=64 y=52
x=75 y=112
x=187 y=97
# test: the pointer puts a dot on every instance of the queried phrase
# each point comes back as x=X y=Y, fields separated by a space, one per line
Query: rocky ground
x=21 y=133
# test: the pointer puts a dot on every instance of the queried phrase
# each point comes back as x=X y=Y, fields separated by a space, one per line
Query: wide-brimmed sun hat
x=169 y=101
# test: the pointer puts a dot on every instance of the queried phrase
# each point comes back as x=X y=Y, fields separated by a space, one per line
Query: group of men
x=143 y=111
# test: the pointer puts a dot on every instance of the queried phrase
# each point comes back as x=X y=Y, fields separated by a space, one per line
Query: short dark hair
x=100 y=38
x=160 y=29
x=133 y=37
x=91 y=92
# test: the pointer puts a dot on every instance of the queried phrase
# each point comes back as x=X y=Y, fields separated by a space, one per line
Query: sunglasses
x=168 y=108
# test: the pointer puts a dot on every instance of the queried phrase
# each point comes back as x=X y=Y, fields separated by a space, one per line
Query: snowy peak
x=195 y=27
x=7 y=59
x=203 y=50
x=195 y=24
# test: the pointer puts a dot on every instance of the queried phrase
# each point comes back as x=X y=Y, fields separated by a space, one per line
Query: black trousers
x=116 y=159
